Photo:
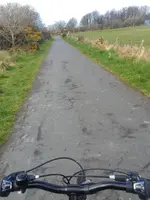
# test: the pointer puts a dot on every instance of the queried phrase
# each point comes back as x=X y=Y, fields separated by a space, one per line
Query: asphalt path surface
x=78 y=109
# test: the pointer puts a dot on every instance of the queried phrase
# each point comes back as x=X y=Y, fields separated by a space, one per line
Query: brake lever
x=134 y=176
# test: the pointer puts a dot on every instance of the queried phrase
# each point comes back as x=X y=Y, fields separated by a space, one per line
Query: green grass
x=130 y=35
x=14 y=85
x=135 y=73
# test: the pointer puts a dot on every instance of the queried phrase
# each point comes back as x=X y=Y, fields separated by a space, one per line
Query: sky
x=55 y=10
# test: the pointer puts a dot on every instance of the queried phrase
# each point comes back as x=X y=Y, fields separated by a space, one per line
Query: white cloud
x=55 y=10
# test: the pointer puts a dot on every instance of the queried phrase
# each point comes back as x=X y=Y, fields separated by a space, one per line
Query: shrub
x=33 y=37
x=101 y=40
x=46 y=35
x=64 y=35
x=80 y=38
x=6 y=61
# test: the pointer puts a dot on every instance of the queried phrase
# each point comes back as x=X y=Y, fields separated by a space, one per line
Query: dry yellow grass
x=131 y=51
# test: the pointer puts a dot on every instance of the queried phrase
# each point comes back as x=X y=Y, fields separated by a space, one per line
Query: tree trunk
x=13 y=40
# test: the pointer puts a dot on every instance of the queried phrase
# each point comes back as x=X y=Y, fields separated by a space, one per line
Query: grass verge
x=132 y=72
x=14 y=85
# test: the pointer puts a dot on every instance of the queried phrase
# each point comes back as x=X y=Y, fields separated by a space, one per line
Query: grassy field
x=14 y=85
x=135 y=73
x=126 y=35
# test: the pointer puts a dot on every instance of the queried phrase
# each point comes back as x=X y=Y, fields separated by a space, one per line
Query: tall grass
x=131 y=51
x=136 y=52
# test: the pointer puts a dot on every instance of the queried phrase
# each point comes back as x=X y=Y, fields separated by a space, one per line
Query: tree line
x=61 y=25
x=125 y=17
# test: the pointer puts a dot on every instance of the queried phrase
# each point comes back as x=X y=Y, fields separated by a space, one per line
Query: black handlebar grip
x=4 y=188
x=147 y=188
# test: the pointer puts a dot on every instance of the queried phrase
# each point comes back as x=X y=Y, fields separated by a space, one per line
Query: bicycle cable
x=55 y=159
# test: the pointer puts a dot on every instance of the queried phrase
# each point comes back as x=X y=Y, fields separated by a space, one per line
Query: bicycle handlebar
x=78 y=189
x=21 y=181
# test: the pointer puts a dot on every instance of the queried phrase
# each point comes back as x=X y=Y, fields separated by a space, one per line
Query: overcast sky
x=54 y=10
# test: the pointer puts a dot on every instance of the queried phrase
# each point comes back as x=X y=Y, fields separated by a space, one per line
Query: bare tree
x=84 y=20
x=38 y=22
x=14 y=18
x=72 y=23
x=95 y=16
x=134 y=15
x=60 y=25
